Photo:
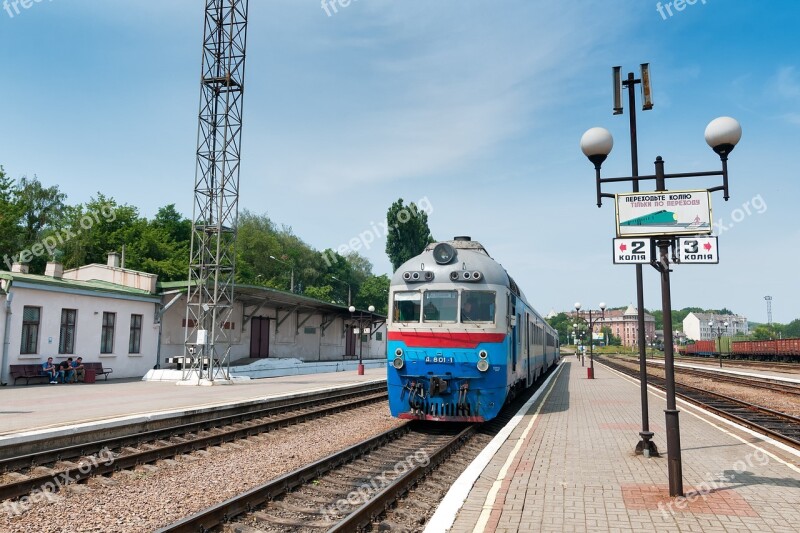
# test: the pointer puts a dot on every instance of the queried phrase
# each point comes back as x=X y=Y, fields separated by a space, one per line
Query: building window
x=379 y=336
x=30 y=330
x=66 y=337
x=107 y=336
x=310 y=330
x=135 y=339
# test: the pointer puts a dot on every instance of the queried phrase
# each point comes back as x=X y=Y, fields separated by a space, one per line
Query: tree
x=792 y=329
x=562 y=323
x=374 y=291
x=763 y=333
x=10 y=215
x=408 y=232
x=613 y=340
x=323 y=293
x=100 y=226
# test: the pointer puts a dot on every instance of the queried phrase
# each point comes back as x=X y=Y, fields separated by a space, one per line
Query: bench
x=28 y=372
x=98 y=369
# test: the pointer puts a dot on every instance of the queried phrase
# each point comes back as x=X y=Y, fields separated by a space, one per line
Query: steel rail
x=760 y=382
x=13 y=464
x=360 y=518
x=55 y=480
x=721 y=411
x=222 y=512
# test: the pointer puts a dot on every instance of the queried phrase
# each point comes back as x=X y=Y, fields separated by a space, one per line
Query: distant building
x=624 y=324
x=696 y=327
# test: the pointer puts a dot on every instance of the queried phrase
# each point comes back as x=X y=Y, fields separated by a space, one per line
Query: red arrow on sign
x=622 y=247
x=707 y=246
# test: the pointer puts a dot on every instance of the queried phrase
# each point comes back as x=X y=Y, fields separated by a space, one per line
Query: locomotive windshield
x=406 y=306
x=440 y=306
x=477 y=306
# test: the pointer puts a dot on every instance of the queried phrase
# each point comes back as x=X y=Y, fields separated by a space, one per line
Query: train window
x=477 y=306
x=440 y=306
x=406 y=306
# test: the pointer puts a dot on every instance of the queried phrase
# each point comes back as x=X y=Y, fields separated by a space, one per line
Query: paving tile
x=576 y=471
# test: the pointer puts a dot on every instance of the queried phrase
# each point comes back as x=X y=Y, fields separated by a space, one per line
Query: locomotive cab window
x=440 y=306
x=477 y=306
x=406 y=306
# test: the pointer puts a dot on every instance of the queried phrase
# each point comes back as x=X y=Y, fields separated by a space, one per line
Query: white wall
x=88 y=330
x=287 y=341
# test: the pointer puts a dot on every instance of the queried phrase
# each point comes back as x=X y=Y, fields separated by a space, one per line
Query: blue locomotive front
x=457 y=345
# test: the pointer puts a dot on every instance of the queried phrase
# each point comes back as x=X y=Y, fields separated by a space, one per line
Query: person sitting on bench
x=79 y=370
x=49 y=370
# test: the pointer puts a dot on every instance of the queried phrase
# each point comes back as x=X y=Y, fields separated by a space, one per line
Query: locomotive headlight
x=443 y=253
x=399 y=352
x=398 y=363
x=483 y=354
x=483 y=365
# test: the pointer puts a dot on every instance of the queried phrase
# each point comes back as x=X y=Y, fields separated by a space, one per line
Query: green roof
x=70 y=284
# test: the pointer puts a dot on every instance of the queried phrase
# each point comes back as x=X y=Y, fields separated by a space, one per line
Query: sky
x=473 y=109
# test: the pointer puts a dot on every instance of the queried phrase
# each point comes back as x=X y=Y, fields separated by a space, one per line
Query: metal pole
x=591 y=346
x=674 y=466
x=360 y=342
x=645 y=445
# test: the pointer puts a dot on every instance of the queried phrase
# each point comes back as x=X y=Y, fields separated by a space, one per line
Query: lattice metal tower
x=216 y=191
x=769 y=309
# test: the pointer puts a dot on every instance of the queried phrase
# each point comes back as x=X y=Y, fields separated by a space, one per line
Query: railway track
x=76 y=464
x=779 y=426
x=749 y=381
x=397 y=478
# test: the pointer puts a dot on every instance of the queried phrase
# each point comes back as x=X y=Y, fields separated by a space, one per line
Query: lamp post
x=575 y=338
x=291 y=282
x=719 y=336
x=592 y=322
x=348 y=289
x=722 y=135
x=352 y=310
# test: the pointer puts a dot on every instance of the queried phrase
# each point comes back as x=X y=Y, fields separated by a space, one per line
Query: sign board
x=644 y=214
x=634 y=251
x=697 y=250
x=598 y=336
x=202 y=337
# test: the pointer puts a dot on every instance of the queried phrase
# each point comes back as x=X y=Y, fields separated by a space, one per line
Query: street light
x=719 y=336
x=352 y=310
x=291 y=282
x=348 y=289
x=722 y=135
x=590 y=370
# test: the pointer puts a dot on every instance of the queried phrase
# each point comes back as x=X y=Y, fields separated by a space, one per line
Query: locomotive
x=462 y=337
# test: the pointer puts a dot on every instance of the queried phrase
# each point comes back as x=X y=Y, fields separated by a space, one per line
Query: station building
x=696 y=327
x=268 y=323
x=116 y=316
x=102 y=313
x=623 y=324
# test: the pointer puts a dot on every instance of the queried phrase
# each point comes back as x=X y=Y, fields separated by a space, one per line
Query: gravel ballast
x=154 y=496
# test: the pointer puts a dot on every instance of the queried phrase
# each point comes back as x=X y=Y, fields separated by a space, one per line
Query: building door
x=350 y=342
x=259 y=337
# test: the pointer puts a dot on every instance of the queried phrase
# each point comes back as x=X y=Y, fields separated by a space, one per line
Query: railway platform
x=569 y=465
x=49 y=411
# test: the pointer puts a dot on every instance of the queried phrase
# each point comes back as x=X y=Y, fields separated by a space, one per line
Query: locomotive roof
x=470 y=255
